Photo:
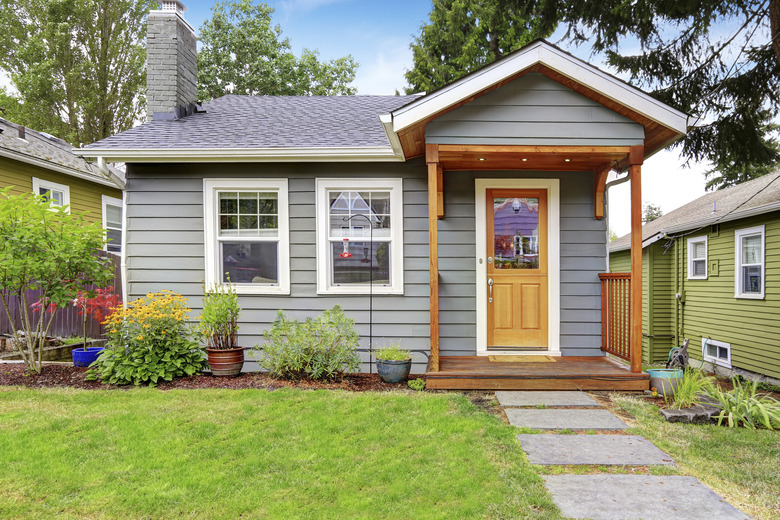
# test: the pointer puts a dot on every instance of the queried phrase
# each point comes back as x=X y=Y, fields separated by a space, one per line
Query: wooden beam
x=520 y=149
x=636 y=157
x=601 y=183
x=440 y=191
x=434 y=169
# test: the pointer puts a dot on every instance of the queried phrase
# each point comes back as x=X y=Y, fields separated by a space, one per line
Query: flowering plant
x=149 y=340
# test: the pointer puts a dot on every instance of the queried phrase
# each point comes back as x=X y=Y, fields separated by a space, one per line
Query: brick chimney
x=171 y=63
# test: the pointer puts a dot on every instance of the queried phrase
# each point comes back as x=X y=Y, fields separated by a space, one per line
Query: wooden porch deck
x=564 y=373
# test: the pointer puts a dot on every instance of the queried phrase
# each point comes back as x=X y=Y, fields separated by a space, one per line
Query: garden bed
x=62 y=375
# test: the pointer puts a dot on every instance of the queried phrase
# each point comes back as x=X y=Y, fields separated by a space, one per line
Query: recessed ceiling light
x=567 y=160
x=481 y=158
x=524 y=159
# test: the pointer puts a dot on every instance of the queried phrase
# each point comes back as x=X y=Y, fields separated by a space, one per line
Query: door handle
x=490 y=288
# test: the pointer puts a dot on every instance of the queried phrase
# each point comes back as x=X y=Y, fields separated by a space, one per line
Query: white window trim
x=715 y=360
x=738 y=234
x=696 y=240
x=113 y=201
x=395 y=187
x=37 y=184
x=211 y=217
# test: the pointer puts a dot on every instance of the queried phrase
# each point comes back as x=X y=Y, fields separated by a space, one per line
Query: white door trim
x=553 y=258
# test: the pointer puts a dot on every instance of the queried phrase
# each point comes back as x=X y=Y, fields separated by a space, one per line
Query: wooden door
x=517 y=269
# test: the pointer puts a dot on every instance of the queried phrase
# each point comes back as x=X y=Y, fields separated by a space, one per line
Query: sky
x=377 y=33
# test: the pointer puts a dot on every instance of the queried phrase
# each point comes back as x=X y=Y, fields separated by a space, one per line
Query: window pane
x=699 y=268
x=712 y=350
x=255 y=262
x=114 y=240
x=723 y=353
x=380 y=202
x=751 y=249
x=247 y=203
x=53 y=196
x=228 y=202
x=352 y=263
x=113 y=216
x=698 y=250
x=516 y=233
x=751 y=279
x=248 y=214
x=353 y=214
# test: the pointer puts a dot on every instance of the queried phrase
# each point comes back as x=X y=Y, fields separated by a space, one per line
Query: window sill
x=262 y=290
x=360 y=291
x=749 y=296
x=697 y=277
x=718 y=362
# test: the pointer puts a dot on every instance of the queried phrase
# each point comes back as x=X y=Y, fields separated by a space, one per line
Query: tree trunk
x=774 y=24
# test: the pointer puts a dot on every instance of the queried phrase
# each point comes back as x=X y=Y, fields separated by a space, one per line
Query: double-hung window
x=112 y=223
x=749 y=263
x=697 y=258
x=360 y=236
x=247 y=234
x=54 y=193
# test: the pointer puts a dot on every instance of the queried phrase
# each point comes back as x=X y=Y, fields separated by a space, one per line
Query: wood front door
x=517 y=269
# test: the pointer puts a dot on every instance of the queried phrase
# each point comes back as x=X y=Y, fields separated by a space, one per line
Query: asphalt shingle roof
x=45 y=147
x=240 y=122
x=749 y=195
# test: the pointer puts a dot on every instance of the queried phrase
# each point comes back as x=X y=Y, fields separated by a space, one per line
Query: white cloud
x=383 y=73
x=665 y=183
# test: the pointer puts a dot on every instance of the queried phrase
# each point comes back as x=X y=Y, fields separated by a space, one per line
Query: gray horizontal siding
x=583 y=252
x=165 y=247
x=534 y=110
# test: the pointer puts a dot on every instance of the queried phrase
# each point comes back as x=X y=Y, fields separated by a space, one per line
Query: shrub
x=324 y=347
x=743 y=405
x=416 y=384
x=219 y=319
x=688 y=391
x=149 y=341
x=392 y=353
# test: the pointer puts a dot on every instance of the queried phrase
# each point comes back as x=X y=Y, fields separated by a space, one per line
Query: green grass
x=145 y=453
x=739 y=464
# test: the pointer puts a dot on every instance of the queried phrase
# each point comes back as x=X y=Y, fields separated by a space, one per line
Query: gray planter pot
x=393 y=371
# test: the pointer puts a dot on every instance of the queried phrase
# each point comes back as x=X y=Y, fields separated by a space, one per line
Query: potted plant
x=99 y=306
x=219 y=323
x=393 y=364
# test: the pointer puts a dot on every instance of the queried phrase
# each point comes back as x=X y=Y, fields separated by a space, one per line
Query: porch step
x=619 y=497
x=557 y=419
x=607 y=450
x=549 y=398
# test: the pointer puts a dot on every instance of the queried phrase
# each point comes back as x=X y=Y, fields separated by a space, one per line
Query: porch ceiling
x=544 y=158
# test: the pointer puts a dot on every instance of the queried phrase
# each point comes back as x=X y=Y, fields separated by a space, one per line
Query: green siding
x=752 y=327
x=85 y=196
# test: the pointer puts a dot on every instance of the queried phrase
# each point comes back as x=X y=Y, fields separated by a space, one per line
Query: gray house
x=471 y=216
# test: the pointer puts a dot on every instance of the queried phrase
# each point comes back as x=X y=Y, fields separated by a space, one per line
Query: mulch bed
x=73 y=377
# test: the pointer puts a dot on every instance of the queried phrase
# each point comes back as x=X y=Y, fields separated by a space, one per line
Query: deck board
x=565 y=373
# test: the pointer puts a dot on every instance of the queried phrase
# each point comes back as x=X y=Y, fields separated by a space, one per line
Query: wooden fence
x=67 y=321
x=616 y=314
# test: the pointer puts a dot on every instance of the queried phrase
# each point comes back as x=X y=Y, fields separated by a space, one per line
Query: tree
x=78 y=65
x=464 y=35
x=243 y=53
x=718 y=60
x=650 y=212
x=47 y=249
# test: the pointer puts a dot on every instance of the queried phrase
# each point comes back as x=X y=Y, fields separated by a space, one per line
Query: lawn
x=741 y=465
x=146 y=453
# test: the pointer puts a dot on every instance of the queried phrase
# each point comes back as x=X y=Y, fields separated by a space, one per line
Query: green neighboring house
x=711 y=273
x=41 y=163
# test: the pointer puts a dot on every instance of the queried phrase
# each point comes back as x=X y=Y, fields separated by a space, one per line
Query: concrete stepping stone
x=546 y=398
x=619 y=450
x=622 y=497
x=552 y=419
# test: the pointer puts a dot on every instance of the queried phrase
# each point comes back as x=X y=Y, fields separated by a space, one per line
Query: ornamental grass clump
x=744 y=406
x=219 y=319
x=148 y=342
x=690 y=389
x=320 y=348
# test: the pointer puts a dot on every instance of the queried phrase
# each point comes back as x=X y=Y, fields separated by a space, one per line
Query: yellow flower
x=113 y=330
x=139 y=337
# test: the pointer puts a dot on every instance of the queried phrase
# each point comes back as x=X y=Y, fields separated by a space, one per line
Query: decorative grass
x=739 y=464
x=145 y=453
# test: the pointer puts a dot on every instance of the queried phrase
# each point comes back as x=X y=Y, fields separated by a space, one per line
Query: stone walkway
x=605 y=496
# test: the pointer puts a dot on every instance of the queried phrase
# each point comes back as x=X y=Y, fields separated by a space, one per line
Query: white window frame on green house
x=692 y=260
x=39 y=185
x=718 y=348
x=114 y=246
x=216 y=238
x=356 y=231
x=740 y=264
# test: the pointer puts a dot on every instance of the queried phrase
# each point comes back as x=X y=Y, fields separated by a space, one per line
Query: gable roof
x=264 y=127
x=756 y=197
x=48 y=152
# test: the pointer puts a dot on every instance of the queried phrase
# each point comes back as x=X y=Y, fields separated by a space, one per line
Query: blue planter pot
x=393 y=371
x=665 y=380
x=82 y=358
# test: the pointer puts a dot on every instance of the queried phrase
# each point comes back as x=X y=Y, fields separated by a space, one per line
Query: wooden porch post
x=635 y=160
x=434 y=203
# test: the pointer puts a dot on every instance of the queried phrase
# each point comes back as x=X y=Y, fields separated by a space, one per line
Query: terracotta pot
x=227 y=362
